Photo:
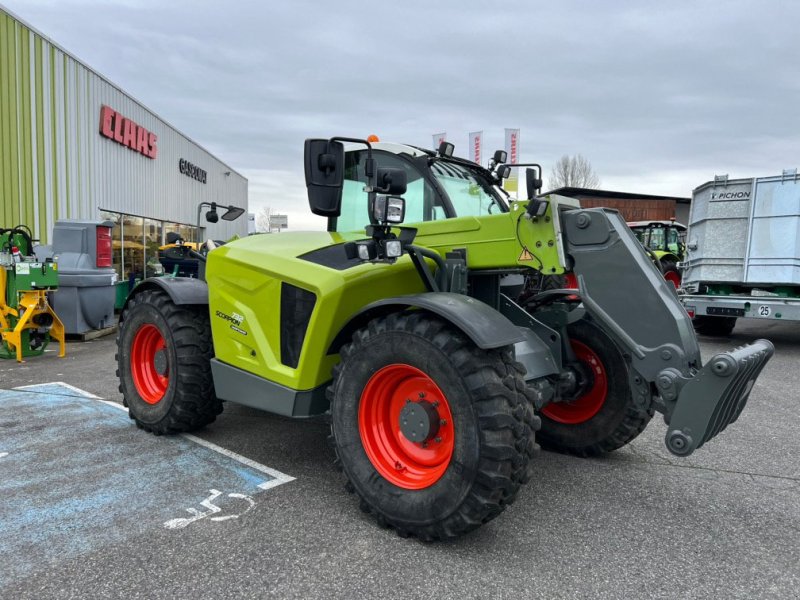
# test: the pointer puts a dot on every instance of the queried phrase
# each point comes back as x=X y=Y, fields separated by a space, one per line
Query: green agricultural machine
x=441 y=368
x=27 y=321
x=665 y=241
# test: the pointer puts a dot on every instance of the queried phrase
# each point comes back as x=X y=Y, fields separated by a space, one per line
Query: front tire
x=604 y=417
x=163 y=364
x=476 y=436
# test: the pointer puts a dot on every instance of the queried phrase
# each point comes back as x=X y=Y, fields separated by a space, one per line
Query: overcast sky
x=659 y=96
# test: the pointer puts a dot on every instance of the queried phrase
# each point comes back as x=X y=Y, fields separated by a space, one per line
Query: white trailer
x=743 y=252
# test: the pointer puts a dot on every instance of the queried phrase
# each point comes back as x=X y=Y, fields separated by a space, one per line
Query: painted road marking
x=212 y=509
x=3 y=454
x=277 y=478
x=81 y=478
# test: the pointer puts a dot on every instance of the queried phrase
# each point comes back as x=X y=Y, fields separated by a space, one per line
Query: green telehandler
x=440 y=366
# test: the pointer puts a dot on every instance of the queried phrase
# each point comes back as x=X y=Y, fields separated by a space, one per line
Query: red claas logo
x=126 y=132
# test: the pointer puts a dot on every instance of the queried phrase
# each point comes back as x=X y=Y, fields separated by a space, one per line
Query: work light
x=389 y=209
x=394 y=248
x=367 y=250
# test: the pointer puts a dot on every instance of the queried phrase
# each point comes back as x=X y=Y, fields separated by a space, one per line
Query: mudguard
x=181 y=290
x=485 y=326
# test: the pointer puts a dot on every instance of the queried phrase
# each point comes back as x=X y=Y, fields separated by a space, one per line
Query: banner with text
x=512 y=148
x=475 y=146
x=438 y=138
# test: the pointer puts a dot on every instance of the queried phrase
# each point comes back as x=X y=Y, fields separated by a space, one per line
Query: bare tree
x=573 y=171
x=262 y=219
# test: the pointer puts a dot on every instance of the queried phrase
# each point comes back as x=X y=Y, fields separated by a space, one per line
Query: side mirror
x=324 y=162
x=391 y=181
x=533 y=182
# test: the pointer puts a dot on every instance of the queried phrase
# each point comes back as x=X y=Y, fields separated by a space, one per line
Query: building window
x=136 y=242
x=132 y=247
x=153 y=239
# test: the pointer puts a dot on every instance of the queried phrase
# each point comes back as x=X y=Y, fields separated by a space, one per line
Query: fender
x=181 y=290
x=481 y=323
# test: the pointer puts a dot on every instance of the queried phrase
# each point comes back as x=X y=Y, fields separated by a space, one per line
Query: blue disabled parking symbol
x=76 y=475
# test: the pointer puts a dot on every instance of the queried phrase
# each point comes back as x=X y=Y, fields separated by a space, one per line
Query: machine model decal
x=236 y=318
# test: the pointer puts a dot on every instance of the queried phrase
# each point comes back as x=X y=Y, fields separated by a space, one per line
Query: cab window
x=422 y=201
x=656 y=241
x=470 y=194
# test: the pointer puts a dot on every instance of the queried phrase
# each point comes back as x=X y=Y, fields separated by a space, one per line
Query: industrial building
x=632 y=207
x=74 y=145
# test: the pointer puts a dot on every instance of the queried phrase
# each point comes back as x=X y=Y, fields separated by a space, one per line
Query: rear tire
x=715 y=326
x=163 y=364
x=479 y=458
x=605 y=417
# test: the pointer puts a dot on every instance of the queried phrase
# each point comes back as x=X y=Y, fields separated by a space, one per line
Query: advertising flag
x=438 y=138
x=475 y=146
x=512 y=148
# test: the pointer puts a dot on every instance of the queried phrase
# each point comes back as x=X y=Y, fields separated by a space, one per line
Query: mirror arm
x=199 y=213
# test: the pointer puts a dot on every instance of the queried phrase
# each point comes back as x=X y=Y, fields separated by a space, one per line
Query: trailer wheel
x=433 y=434
x=717 y=326
x=604 y=417
x=163 y=364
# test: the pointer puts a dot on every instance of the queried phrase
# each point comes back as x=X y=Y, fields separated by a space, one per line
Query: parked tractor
x=665 y=241
x=419 y=336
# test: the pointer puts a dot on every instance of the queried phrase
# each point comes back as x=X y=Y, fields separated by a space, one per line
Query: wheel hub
x=419 y=421
x=160 y=362
x=584 y=391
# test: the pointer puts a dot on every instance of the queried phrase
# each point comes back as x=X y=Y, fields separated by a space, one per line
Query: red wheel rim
x=151 y=384
x=673 y=278
x=406 y=464
x=591 y=401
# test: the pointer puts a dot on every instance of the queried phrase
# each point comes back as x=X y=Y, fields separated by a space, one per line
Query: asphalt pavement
x=89 y=518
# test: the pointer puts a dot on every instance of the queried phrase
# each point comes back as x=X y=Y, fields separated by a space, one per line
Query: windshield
x=422 y=201
x=469 y=193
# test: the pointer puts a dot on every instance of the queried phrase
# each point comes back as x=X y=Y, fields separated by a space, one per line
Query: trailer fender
x=485 y=326
x=181 y=290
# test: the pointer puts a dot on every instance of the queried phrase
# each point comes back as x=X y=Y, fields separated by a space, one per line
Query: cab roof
x=633 y=224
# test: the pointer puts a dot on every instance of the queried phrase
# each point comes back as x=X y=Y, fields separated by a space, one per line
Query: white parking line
x=62 y=384
x=278 y=478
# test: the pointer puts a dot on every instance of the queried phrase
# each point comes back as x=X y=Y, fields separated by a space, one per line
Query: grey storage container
x=745 y=231
x=86 y=280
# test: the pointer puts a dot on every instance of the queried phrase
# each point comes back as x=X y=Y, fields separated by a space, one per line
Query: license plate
x=720 y=311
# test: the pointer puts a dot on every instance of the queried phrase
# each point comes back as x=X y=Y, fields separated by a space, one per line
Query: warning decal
x=526 y=255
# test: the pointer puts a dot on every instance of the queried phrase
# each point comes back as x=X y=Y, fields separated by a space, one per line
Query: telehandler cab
x=426 y=343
